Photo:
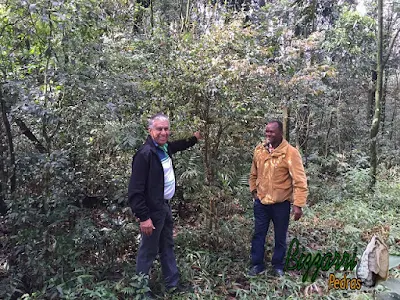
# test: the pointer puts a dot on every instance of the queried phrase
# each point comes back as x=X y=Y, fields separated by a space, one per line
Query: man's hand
x=198 y=135
x=146 y=227
x=297 y=212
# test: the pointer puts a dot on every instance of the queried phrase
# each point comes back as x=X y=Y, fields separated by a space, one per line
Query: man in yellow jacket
x=277 y=180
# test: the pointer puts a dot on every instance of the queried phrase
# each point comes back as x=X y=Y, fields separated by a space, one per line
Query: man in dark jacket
x=151 y=187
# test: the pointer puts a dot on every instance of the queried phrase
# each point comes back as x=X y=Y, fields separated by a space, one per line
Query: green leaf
x=348 y=229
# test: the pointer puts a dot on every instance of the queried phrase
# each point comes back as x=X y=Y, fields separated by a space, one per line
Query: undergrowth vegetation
x=72 y=252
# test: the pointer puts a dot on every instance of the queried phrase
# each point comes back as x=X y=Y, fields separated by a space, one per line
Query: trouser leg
x=261 y=224
x=280 y=215
x=149 y=245
x=167 y=255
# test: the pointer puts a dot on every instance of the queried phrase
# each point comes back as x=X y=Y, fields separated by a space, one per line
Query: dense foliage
x=78 y=80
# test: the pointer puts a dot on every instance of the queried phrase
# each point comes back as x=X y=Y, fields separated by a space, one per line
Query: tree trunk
x=307 y=134
x=7 y=172
x=208 y=167
x=391 y=128
x=181 y=14
x=3 y=170
x=371 y=96
x=207 y=157
x=395 y=99
x=339 y=137
x=3 y=206
x=209 y=178
x=286 y=122
x=7 y=127
x=151 y=16
x=185 y=25
x=327 y=134
x=383 y=112
x=378 y=97
x=303 y=119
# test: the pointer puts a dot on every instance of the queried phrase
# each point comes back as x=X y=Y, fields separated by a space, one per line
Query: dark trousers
x=279 y=213
x=160 y=242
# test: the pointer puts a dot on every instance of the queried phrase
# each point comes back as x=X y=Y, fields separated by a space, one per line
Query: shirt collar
x=163 y=147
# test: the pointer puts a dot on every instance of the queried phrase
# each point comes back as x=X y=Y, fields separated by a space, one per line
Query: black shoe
x=255 y=270
x=278 y=272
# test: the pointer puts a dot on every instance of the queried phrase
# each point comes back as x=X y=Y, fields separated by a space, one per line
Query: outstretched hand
x=198 y=135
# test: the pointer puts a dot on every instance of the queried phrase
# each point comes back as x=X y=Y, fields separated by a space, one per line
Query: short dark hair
x=280 y=125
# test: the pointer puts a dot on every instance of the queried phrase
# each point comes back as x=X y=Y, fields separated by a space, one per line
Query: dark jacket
x=146 y=186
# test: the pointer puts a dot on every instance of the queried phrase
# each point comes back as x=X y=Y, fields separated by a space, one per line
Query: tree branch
x=26 y=131
x=390 y=48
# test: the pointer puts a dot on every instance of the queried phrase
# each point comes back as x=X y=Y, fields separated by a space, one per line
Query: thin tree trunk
x=207 y=156
x=393 y=118
x=46 y=100
x=339 y=137
x=181 y=15
x=286 y=122
x=3 y=206
x=208 y=171
x=303 y=119
x=209 y=178
x=395 y=99
x=383 y=112
x=378 y=97
x=371 y=96
x=187 y=17
x=7 y=127
x=151 y=16
x=305 y=144
x=3 y=170
x=204 y=14
x=327 y=134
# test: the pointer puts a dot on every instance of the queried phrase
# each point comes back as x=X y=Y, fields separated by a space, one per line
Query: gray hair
x=158 y=116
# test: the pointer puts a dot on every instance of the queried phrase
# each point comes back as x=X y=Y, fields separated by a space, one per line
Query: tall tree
x=380 y=63
x=378 y=96
x=7 y=170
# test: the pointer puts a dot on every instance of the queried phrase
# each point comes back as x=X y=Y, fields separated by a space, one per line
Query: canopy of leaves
x=78 y=81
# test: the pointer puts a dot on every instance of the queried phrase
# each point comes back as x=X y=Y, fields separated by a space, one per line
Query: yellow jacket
x=278 y=176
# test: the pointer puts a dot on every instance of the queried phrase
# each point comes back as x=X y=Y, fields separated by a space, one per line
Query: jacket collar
x=150 y=142
x=281 y=149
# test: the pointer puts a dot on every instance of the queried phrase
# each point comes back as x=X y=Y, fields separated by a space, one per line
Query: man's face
x=160 y=131
x=273 y=134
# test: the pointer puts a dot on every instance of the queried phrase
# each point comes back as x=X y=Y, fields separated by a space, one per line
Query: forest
x=79 y=80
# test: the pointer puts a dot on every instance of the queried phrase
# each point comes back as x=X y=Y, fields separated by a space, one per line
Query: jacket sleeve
x=181 y=145
x=137 y=186
x=299 y=179
x=253 y=174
